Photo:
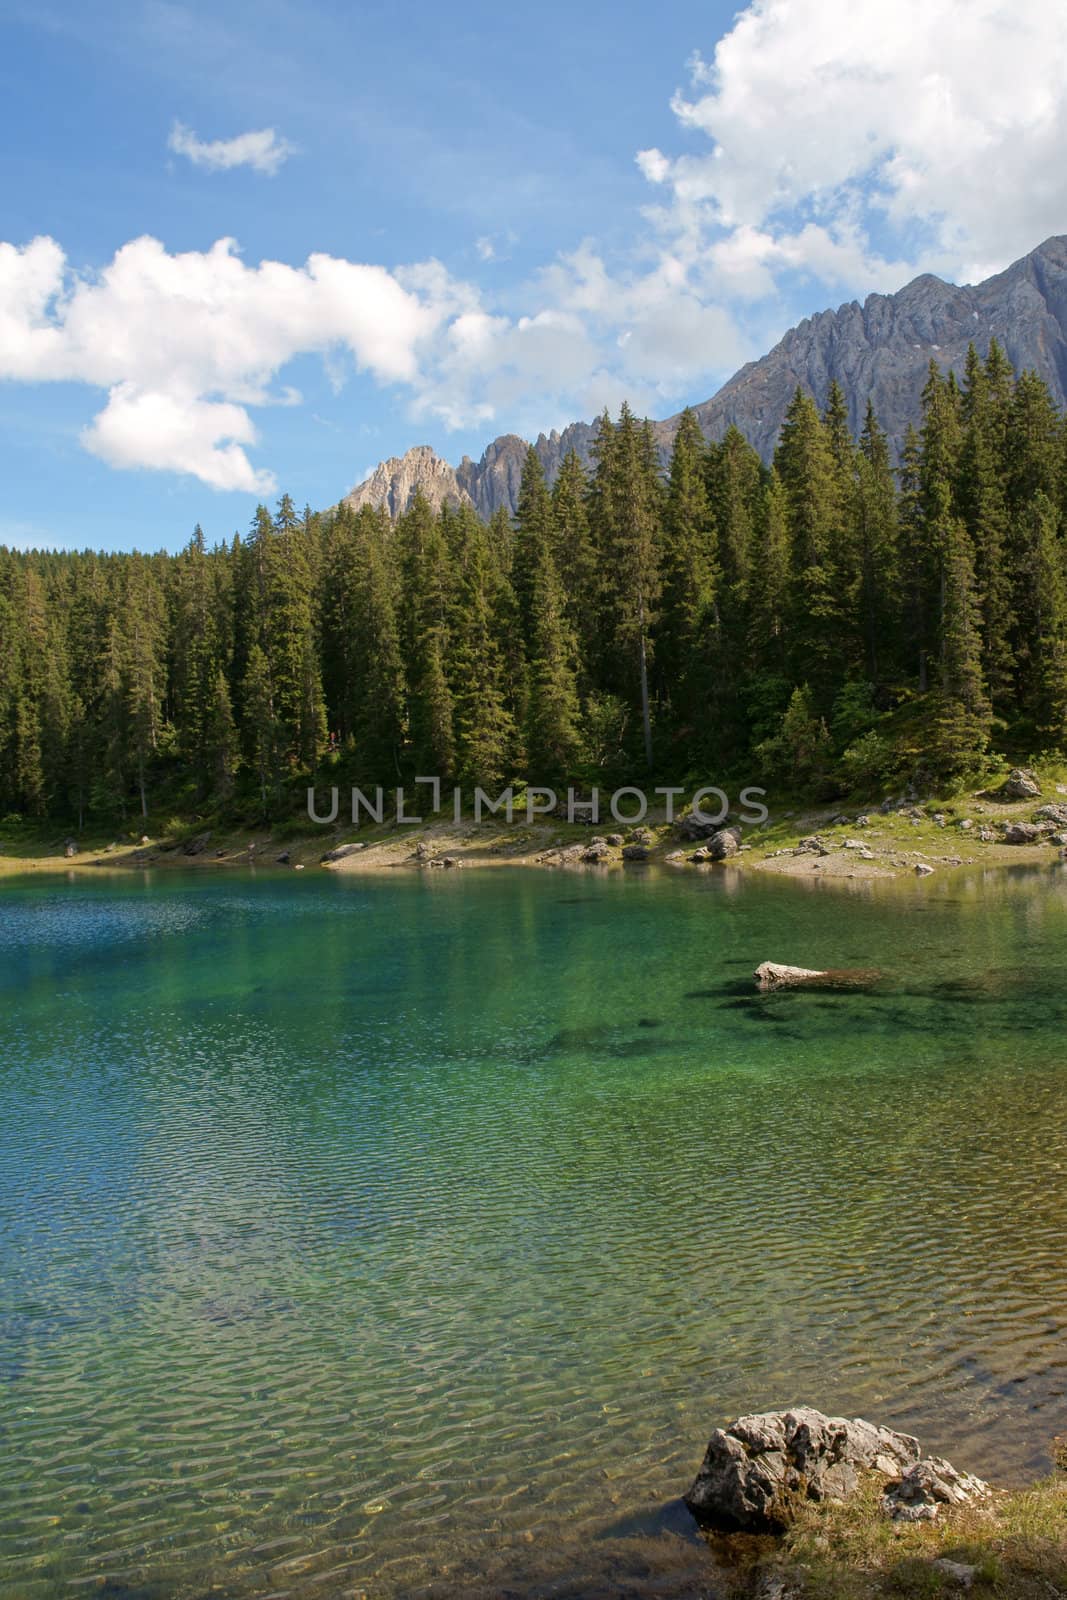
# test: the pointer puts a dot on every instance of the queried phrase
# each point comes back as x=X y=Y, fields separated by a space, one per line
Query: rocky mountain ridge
x=879 y=350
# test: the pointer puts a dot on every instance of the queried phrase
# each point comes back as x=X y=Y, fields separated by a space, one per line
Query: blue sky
x=484 y=219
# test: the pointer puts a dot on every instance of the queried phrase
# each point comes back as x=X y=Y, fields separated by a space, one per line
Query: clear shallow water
x=400 y=1236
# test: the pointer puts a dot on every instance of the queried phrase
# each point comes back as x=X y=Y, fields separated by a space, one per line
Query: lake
x=388 y=1236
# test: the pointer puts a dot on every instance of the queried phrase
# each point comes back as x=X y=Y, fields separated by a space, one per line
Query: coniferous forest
x=834 y=623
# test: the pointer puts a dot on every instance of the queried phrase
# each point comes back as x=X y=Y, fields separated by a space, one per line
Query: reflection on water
x=409 y=1237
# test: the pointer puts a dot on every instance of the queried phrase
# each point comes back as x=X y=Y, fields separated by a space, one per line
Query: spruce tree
x=688 y=615
x=875 y=582
x=425 y=626
x=808 y=473
x=964 y=716
x=535 y=533
x=981 y=499
x=554 y=741
x=144 y=668
x=576 y=556
x=627 y=506
x=1043 y=605
x=261 y=728
x=483 y=729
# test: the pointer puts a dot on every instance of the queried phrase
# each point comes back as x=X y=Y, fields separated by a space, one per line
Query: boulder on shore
x=755 y=1470
x=1020 y=784
x=1025 y=832
x=811 y=846
x=690 y=827
x=342 y=851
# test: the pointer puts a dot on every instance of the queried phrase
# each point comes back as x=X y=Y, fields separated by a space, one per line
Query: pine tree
x=220 y=743
x=425 y=628
x=918 y=568
x=554 y=743
x=628 y=505
x=981 y=499
x=807 y=470
x=964 y=715
x=484 y=732
x=575 y=552
x=535 y=533
x=290 y=640
x=377 y=693
x=144 y=668
x=770 y=582
x=688 y=614
x=1043 y=605
x=839 y=438
x=874 y=541
x=261 y=729
x=196 y=655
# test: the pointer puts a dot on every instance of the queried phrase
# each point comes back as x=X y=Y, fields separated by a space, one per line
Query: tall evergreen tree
x=628 y=507
x=964 y=714
x=806 y=467
x=688 y=618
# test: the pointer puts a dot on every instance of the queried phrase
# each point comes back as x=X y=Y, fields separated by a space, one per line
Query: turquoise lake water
x=398 y=1236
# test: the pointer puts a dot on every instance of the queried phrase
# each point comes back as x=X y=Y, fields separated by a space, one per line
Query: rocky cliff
x=879 y=350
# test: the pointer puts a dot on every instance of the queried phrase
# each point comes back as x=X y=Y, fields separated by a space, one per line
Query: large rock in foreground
x=756 y=1470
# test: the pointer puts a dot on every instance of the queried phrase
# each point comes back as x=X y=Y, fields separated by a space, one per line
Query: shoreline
x=812 y=845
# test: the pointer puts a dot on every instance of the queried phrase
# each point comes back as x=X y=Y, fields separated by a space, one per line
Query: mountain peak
x=394 y=483
x=878 y=351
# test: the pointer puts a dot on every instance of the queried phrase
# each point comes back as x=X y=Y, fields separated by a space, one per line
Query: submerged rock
x=773 y=975
x=756 y=1470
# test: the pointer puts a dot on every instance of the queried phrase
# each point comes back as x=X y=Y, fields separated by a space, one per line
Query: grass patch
x=1015 y=1543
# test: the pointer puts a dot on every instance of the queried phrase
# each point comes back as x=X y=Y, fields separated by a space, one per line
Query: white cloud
x=185 y=343
x=842 y=144
x=495 y=246
x=836 y=122
x=178 y=434
x=263 y=150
